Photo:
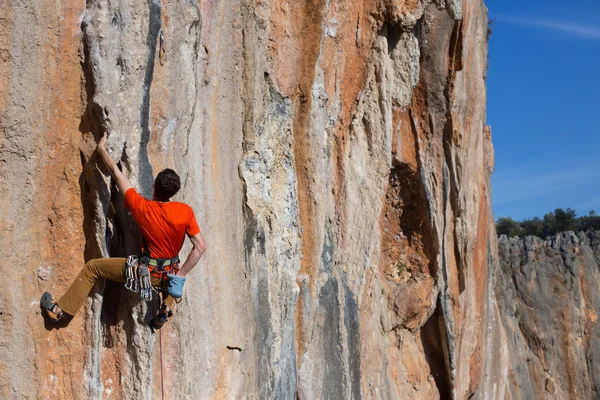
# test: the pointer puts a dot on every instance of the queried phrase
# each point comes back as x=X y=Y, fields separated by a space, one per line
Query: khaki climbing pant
x=107 y=268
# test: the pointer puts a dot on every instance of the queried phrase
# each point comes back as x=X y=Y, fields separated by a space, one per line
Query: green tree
x=532 y=227
x=565 y=220
x=554 y=222
x=549 y=225
x=508 y=227
x=590 y=222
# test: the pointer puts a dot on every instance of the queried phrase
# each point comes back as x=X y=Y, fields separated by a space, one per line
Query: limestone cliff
x=337 y=158
x=548 y=294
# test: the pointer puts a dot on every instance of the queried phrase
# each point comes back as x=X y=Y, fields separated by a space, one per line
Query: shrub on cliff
x=554 y=222
x=549 y=225
x=565 y=220
x=532 y=227
x=508 y=227
x=590 y=222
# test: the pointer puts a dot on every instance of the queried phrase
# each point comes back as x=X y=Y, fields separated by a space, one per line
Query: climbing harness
x=140 y=269
x=160 y=267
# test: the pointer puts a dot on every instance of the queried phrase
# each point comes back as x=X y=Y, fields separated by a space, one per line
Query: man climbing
x=164 y=225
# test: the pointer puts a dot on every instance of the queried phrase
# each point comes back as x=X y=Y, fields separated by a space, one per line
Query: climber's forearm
x=194 y=256
x=122 y=182
x=190 y=262
x=110 y=164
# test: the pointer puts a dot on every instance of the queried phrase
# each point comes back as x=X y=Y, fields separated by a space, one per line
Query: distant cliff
x=549 y=296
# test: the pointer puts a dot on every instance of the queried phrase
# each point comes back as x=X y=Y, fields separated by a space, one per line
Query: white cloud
x=582 y=31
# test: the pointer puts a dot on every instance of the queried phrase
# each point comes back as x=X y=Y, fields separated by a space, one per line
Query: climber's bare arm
x=194 y=256
x=122 y=182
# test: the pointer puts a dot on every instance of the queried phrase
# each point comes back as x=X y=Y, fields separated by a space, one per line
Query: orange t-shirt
x=163 y=225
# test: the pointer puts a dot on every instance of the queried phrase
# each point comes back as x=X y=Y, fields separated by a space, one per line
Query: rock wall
x=337 y=158
x=548 y=294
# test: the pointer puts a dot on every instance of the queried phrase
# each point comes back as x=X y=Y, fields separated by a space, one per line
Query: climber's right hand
x=102 y=142
x=122 y=182
x=175 y=288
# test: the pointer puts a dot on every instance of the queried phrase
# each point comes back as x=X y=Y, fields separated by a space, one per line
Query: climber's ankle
x=57 y=310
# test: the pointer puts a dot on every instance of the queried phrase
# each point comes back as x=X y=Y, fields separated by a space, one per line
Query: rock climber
x=164 y=225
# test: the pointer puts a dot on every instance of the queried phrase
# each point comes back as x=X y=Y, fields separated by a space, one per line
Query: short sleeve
x=192 y=228
x=133 y=200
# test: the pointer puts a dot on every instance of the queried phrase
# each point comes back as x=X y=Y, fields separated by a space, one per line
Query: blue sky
x=544 y=106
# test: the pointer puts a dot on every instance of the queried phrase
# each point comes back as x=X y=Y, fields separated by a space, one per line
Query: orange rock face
x=337 y=158
x=41 y=215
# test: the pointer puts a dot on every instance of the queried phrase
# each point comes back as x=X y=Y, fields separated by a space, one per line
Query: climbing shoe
x=161 y=318
x=48 y=306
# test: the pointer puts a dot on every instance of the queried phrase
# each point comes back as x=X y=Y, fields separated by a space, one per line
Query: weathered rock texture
x=548 y=294
x=337 y=158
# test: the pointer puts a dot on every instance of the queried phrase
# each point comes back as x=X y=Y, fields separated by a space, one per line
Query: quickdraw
x=140 y=269
x=137 y=278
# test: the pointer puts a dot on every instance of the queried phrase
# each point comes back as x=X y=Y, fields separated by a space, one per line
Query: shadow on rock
x=49 y=325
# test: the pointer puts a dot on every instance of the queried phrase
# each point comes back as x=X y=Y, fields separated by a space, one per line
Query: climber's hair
x=166 y=184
